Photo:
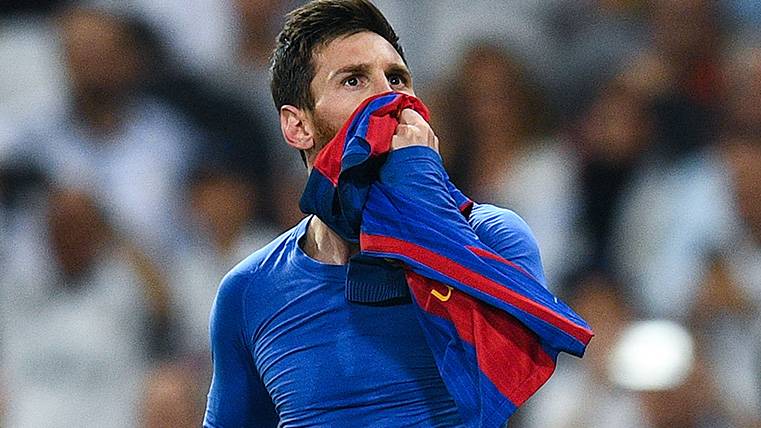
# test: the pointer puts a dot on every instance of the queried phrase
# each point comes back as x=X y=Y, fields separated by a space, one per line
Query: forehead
x=360 y=48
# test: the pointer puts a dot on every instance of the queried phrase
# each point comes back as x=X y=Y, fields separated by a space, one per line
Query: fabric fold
x=494 y=330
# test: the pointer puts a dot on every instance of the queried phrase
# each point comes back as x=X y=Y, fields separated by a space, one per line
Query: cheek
x=334 y=111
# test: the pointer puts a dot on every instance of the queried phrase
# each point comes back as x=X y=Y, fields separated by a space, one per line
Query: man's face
x=100 y=59
x=349 y=70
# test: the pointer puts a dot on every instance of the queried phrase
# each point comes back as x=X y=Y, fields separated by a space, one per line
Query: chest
x=320 y=350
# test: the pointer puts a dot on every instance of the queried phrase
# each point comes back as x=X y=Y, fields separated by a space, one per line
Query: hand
x=413 y=130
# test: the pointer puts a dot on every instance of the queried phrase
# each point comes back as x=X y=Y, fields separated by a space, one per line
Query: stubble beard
x=324 y=132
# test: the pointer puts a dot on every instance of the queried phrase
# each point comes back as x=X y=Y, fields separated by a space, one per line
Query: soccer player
x=287 y=346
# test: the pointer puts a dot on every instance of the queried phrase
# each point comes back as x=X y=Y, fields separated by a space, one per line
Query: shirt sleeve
x=419 y=171
x=237 y=397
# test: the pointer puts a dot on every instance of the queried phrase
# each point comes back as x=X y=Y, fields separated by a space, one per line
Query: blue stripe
x=483 y=406
x=553 y=338
x=356 y=149
x=435 y=232
x=361 y=121
x=424 y=215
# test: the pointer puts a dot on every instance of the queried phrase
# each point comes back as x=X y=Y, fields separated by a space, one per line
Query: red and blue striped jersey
x=494 y=330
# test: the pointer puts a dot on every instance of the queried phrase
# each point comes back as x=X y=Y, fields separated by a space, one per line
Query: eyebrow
x=365 y=68
x=350 y=69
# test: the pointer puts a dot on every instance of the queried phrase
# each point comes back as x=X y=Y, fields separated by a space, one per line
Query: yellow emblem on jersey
x=442 y=297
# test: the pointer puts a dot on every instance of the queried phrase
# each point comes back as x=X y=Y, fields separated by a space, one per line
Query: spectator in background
x=223 y=225
x=235 y=133
x=728 y=301
x=688 y=238
x=253 y=37
x=693 y=403
x=615 y=133
x=171 y=398
x=434 y=32
x=129 y=149
x=589 y=41
x=654 y=379
x=247 y=75
x=78 y=309
x=498 y=147
x=678 y=215
x=725 y=320
x=679 y=74
x=661 y=362
x=671 y=219
x=222 y=230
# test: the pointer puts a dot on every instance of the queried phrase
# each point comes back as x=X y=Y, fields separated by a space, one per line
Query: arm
x=420 y=172
x=509 y=236
x=419 y=169
x=237 y=397
x=500 y=229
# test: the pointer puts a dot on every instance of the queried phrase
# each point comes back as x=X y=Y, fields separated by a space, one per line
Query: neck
x=324 y=245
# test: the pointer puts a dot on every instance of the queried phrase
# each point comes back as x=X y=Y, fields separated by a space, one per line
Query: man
x=287 y=346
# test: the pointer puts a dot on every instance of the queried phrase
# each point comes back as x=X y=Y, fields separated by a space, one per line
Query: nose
x=380 y=84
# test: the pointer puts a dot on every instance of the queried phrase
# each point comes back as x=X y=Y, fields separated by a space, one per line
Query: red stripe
x=489 y=255
x=328 y=161
x=382 y=126
x=380 y=131
x=508 y=353
x=466 y=207
x=463 y=275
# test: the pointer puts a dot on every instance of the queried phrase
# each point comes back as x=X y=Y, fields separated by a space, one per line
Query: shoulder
x=255 y=268
x=509 y=235
x=487 y=216
x=246 y=290
x=255 y=271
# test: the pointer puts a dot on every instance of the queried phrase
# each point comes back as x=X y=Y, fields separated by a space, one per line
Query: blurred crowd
x=141 y=158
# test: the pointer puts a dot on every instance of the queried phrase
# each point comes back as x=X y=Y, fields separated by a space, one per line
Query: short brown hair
x=311 y=27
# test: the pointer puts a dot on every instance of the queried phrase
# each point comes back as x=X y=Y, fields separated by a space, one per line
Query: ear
x=297 y=129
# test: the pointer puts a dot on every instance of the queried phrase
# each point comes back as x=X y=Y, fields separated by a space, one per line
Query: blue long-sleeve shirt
x=288 y=347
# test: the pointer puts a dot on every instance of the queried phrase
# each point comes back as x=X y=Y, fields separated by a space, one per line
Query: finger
x=411 y=117
x=404 y=130
x=396 y=142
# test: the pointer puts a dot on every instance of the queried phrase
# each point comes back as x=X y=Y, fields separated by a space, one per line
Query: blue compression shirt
x=288 y=348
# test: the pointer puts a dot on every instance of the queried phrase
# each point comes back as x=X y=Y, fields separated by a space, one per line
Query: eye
x=351 y=81
x=396 y=80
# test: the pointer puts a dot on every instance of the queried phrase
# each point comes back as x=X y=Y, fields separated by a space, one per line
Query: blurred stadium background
x=141 y=158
